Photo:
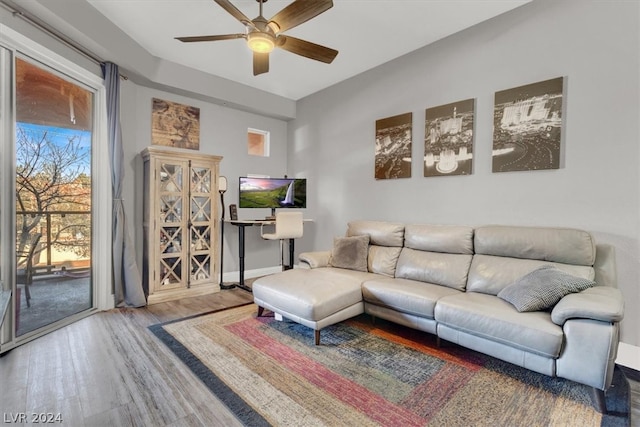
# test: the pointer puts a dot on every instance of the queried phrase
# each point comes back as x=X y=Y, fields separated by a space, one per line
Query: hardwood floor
x=109 y=370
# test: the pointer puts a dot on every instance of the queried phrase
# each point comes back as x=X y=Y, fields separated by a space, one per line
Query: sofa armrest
x=315 y=259
x=602 y=303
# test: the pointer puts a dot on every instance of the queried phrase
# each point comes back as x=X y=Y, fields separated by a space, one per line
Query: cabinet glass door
x=200 y=250
x=171 y=224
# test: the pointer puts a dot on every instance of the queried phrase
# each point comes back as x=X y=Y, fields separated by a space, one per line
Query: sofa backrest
x=503 y=254
x=381 y=233
x=439 y=254
x=385 y=243
x=605 y=265
x=485 y=259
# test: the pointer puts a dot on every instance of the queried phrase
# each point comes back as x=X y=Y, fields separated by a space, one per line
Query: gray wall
x=223 y=132
x=593 y=43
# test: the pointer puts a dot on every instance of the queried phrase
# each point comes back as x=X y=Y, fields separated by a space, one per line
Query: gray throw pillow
x=350 y=252
x=542 y=288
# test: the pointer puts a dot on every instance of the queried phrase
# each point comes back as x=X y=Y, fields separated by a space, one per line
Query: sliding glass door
x=53 y=134
x=55 y=196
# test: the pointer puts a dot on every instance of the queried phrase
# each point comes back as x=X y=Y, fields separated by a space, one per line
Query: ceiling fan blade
x=211 y=38
x=233 y=11
x=298 y=12
x=307 y=49
x=260 y=63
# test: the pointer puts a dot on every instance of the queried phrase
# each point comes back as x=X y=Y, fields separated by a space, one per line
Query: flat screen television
x=272 y=193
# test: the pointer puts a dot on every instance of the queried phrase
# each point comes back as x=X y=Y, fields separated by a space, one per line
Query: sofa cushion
x=434 y=267
x=311 y=294
x=490 y=274
x=380 y=233
x=563 y=245
x=406 y=296
x=439 y=238
x=350 y=253
x=492 y=318
x=383 y=259
x=542 y=288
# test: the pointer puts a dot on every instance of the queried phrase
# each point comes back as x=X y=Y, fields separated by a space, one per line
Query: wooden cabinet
x=180 y=223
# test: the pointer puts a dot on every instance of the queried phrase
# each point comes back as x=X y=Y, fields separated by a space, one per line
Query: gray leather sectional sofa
x=450 y=280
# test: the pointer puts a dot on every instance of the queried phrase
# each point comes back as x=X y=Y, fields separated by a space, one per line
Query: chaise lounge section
x=541 y=298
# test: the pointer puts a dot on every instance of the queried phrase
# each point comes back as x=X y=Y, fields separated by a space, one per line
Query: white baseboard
x=234 y=276
x=629 y=356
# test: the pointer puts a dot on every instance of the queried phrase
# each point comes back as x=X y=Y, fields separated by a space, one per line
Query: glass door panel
x=170 y=209
x=170 y=178
x=200 y=267
x=200 y=209
x=170 y=240
x=200 y=238
x=53 y=134
x=170 y=272
x=200 y=180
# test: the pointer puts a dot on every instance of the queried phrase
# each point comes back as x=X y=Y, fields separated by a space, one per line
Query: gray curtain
x=127 y=283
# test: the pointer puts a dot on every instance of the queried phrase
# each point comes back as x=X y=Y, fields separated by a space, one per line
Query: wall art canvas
x=393 y=147
x=175 y=125
x=527 y=127
x=448 y=139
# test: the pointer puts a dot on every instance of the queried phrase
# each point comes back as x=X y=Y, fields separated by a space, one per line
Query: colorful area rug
x=362 y=374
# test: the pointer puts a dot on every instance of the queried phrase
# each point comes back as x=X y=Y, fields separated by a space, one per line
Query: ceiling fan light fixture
x=264 y=35
x=261 y=42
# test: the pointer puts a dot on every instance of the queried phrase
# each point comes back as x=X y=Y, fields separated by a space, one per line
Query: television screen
x=272 y=193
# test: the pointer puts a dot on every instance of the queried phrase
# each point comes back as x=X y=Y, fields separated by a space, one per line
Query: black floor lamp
x=222 y=188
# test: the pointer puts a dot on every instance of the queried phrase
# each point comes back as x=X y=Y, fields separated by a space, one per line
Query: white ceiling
x=367 y=33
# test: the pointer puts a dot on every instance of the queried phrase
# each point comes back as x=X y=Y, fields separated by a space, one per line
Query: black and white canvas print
x=393 y=147
x=527 y=127
x=448 y=139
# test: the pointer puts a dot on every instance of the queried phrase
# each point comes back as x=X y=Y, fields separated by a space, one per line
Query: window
x=258 y=142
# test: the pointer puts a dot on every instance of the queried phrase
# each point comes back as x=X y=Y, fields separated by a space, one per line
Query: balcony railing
x=65 y=243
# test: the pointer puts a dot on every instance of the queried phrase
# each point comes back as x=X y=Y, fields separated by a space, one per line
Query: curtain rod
x=39 y=24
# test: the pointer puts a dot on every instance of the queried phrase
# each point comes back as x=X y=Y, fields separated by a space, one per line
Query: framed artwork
x=393 y=147
x=175 y=125
x=448 y=139
x=527 y=127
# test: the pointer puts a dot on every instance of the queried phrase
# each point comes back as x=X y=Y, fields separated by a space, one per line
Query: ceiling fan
x=264 y=35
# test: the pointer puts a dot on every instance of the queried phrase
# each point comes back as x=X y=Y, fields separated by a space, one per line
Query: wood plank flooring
x=109 y=370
